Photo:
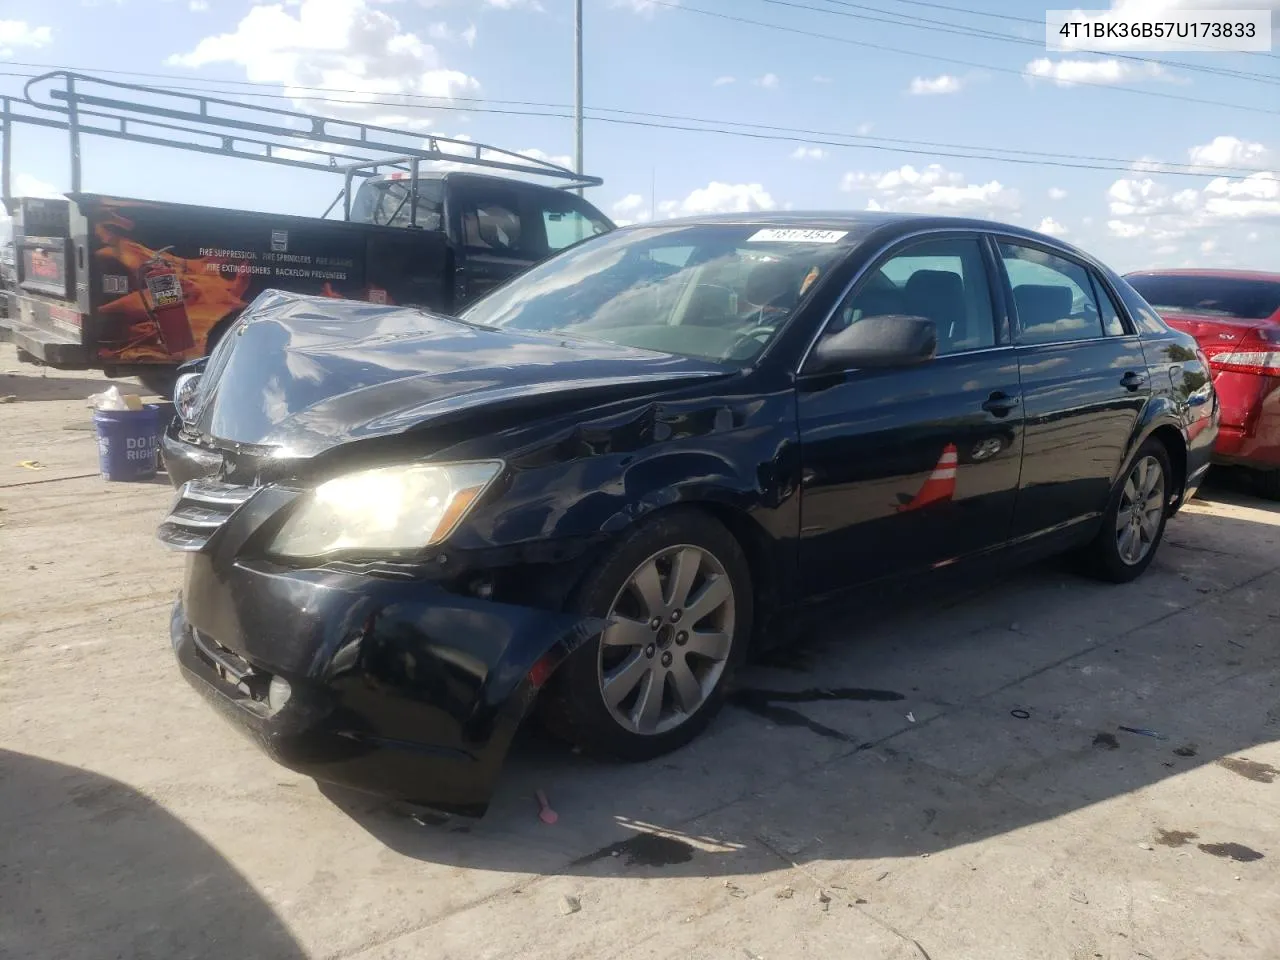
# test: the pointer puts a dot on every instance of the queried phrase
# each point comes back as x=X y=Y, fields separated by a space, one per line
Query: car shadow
x=33 y=387
x=932 y=717
x=94 y=869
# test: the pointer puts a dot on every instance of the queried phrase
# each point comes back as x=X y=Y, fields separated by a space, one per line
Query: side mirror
x=892 y=340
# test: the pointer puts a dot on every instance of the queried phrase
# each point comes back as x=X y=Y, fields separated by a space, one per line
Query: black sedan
x=595 y=490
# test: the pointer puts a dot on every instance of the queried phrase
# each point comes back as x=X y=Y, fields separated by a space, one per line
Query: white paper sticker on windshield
x=774 y=235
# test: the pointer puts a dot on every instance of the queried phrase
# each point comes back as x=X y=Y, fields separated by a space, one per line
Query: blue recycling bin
x=128 y=441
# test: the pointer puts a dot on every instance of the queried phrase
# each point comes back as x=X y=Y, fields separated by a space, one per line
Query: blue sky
x=666 y=58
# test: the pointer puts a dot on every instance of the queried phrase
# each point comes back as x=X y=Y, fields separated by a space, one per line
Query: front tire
x=677 y=593
x=1134 y=522
x=1267 y=484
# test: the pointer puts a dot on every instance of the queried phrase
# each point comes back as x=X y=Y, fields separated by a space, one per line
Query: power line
x=800 y=136
x=956 y=60
x=811 y=137
x=964 y=30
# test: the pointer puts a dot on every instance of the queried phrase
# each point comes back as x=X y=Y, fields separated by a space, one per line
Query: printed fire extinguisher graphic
x=161 y=289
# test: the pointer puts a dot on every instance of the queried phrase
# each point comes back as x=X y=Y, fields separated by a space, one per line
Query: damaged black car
x=591 y=493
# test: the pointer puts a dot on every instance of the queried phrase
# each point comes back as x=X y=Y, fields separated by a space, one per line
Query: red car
x=1235 y=317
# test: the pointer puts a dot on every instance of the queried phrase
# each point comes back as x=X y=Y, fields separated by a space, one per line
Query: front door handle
x=1133 y=380
x=1000 y=404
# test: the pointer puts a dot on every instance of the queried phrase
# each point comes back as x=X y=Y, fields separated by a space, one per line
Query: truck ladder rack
x=82 y=104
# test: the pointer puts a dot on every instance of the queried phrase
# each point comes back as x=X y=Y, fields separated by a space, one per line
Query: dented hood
x=302 y=374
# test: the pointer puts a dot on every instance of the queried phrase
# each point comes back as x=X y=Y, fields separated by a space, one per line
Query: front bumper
x=398 y=687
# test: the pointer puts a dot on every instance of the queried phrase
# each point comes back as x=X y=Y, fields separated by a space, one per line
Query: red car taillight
x=1257 y=352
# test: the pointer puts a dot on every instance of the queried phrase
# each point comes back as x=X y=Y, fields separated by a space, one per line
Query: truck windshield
x=1238 y=298
x=387 y=202
x=715 y=291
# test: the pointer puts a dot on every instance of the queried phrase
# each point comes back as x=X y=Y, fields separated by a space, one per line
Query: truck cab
x=138 y=287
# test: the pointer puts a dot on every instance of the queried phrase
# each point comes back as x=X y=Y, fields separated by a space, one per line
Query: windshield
x=1237 y=298
x=712 y=291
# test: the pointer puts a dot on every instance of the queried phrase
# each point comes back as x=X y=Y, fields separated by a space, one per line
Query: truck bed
x=120 y=283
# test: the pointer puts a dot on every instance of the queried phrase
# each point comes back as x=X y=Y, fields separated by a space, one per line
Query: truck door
x=493 y=242
x=409 y=263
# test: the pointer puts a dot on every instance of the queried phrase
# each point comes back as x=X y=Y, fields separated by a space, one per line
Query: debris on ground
x=786 y=893
x=823 y=898
x=911 y=717
x=1020 y=714
x=569 y=904
x=545 y=813
x=1143 y=732
x=1078 y=896
x=9 y=398
x=31 y=464
x=735 y=890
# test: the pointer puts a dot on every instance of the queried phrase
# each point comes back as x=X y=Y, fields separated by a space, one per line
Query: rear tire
x=638 y=690
x=161 y=382
x=1133 y=524
x=1267 y=483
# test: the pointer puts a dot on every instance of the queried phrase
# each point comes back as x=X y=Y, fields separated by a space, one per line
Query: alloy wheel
x=669 y=637
x=1142 y=505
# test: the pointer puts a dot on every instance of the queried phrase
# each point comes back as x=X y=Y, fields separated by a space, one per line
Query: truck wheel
x=677 y=593
x=160 y=382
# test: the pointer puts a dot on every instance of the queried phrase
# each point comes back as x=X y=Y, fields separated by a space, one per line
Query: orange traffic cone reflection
x=941 y=484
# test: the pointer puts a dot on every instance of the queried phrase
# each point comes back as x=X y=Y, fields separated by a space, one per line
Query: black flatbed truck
x=137 y=287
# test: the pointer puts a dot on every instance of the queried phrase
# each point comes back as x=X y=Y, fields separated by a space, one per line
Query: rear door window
x=1053 y=296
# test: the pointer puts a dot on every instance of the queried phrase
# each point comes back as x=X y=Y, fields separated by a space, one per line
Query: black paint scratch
x=765 y=704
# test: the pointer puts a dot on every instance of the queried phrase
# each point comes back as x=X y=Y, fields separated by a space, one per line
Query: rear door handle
x=1132 y=380
x=1000 y=404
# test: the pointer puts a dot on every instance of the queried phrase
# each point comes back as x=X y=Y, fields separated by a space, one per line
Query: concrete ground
x=948 y=777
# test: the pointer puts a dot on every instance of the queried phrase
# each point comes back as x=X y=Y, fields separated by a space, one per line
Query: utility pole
x=577 y=86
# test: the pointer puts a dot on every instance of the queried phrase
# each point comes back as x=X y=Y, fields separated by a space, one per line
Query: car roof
x=1220 y=274
x=886 y=224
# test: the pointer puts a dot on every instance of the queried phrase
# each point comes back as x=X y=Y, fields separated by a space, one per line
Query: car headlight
x=384 y=510
x=185 y=391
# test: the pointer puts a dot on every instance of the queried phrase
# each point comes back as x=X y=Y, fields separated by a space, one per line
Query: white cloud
x=646 y=8
x=25 y=185
x=819 y=78
x=1211 y=218
x=769 y=81
x=1052 y=227
x=1229 y=152
x=559 y=159
x=1126 y=231
x=514 y=4
x=341 y=45
x=933 y=189
x=718 y=197
x=1067 y=72
x=864 y=128
x=1057 y=193
x=19 y=33
x=809 y=153
x=469 y=35
x=633 y=208
x=722 y=81
x=198 y=6
x=927 y=86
